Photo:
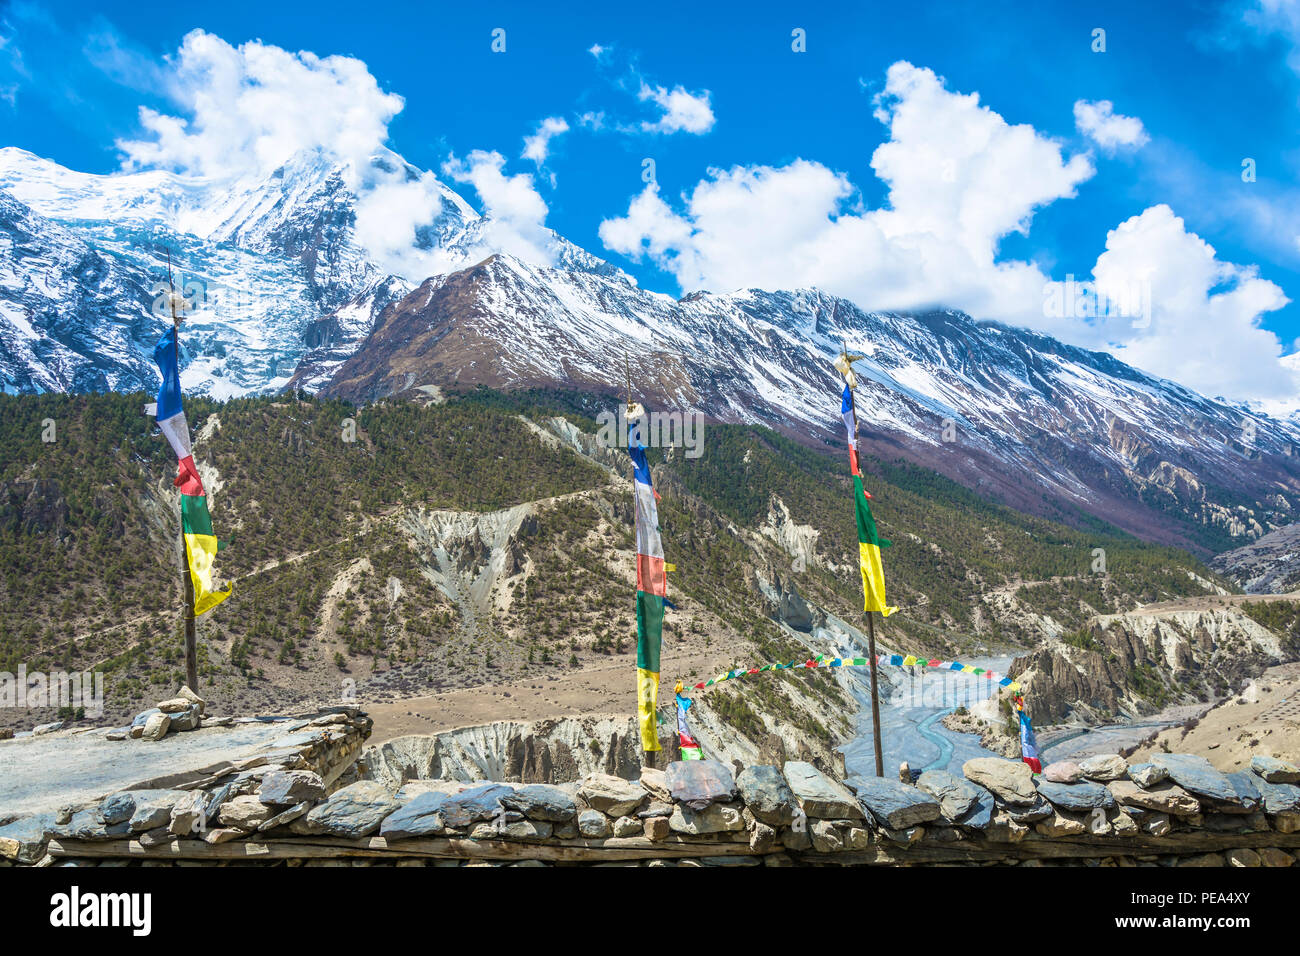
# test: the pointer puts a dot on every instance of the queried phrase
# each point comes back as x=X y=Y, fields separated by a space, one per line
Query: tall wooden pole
x=875 y=694
x=647 y=756
x=191 y=644
x=871 y=626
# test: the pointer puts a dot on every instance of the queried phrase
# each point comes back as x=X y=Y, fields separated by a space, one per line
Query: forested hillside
x=422 y=545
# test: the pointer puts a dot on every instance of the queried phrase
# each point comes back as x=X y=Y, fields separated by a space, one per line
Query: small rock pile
x=183 y=712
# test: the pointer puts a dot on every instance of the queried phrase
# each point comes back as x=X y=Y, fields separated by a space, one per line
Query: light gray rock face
x=354 y=811
x=174 y=706
x=156 y=727
x=628 y=827
x=244 y=813
x=188 y=719
x=285 y=817
x=423 y=816
x=291 y=786
x=820 y=797
x=1076 y=797
x=1274 y=770
x=716 y=818
x=1104 y=767
x=187 y=814
x=1063 y=771
x=894 y=804
x=40 y=730
x=1147 y=774
x=593 y=824
x=153 y=808
x=542 y=801
x=767 y=795
x=1247 y=790
x=698 y=783
x=1197 y=775
x=1279 y=797
x=24 y=840
x=1162 y=798
x=612 y=795
x=1011 y=781
x=956 y=796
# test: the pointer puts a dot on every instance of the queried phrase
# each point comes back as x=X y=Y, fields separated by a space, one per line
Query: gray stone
x=825 y=837
x=1104 y=767
x=896 y=805
x=174 y=706
x=475 y=804
x=627 y=827
x=353 y=812
x=1162 y=798
x=767 y=795
x=187 y=719
x=1274 y=770
x=1076 y=797
x=187 y=814
x=820 y=797
x=24 y=840
x=656 y=781
x=285 y=817
x=697 y=783
x=1147 y=774
x=244 y=813
x=1039 y=810
x=956 y=795
x=41 y=730
x=86 y=825
x=291 y=786
x=612 y=795
x=593 y=824
x=657 y=808
x=1011 y=781
x=116 y=807
x=1245 y=784
x=424 y=815
x=981 y=815
x=1278 y=797
x=542 y=801
x=716 y=818
x=1196 y=775
x=153 y=808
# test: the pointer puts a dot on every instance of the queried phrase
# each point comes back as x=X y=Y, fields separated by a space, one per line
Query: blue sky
x=1208 y=85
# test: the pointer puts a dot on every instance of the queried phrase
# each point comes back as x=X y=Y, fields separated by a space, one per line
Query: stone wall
x=1176 y=810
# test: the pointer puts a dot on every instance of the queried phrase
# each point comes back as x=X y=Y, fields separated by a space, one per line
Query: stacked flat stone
x=1171 y=810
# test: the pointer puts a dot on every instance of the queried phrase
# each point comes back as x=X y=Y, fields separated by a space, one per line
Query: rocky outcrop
x=695 y=813
x=541 y=751
x=1136 y=663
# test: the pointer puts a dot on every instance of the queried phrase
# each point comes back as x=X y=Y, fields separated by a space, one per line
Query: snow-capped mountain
x=280 y=291
x=1010 y=411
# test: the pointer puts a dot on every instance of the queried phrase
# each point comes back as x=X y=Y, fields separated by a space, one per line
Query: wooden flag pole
x=871 y=626
x=875 y=694
x=191 y=643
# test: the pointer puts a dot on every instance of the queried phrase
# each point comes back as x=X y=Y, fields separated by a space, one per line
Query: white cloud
x=960 y=179
x=683 y=111
x=249 y=109
x=596 y=50
x=1282 y=17
x=537 y=146
x=515 y=211
x=1108 y=129
x=242 y=112
x=1203 y=324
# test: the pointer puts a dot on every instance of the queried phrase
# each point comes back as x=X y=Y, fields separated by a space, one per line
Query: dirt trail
x=1207 y=602
x=608 y=689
